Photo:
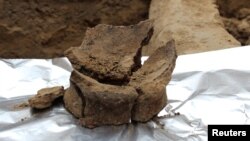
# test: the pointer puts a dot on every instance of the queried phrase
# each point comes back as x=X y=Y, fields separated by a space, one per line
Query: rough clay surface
x=73 y=100
x=102 y=103
x=236 y=17
x=97 y=104
x=46 y=28
x=150 y=82
x=194 y=24
x=110 y=54
x=45 y=97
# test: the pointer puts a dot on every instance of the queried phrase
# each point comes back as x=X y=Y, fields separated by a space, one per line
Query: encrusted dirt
x=109 y=53
x=46 y=28
x=236 y=17
x=110 y=89
x=45 y=97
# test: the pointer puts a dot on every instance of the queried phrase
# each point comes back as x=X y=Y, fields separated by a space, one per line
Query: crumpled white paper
x=19 y=77
x=206 y=88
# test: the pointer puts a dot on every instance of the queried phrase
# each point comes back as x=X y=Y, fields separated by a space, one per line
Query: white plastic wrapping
x=206 y=88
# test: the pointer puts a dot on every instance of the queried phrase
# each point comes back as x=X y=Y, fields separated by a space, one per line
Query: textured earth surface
x=46 y=28
x=195 y=25
x=236 y=17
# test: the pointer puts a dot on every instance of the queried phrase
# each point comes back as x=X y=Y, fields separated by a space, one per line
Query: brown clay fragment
x=108 y=84
x=74 y=101
x=109 y=53
x=45 y=97
x=150 y=82
x=104 y=104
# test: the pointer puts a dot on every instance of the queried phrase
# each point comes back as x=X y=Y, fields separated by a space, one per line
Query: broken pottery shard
x=109 y=53
x=108 y=84
x=104 y=104
x=73 y=100
x=45 y=97
x=150 y=82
